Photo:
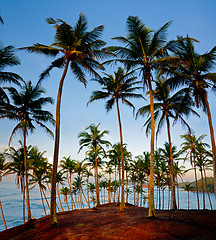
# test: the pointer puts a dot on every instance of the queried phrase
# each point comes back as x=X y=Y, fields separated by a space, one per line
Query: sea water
x=11 y=199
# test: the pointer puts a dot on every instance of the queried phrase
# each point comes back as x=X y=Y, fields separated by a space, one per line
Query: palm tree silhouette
x=145 y=51
x=121 y=86
x=80 y=51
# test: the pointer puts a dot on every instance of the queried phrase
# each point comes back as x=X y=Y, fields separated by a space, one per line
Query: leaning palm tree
x=168 y=107
x=145 y=51
x=80 y=51
x=27 y=109
x=195 y=73
x=93 y=137
x=120 y=86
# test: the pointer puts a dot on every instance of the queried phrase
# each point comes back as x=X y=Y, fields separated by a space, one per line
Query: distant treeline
x=209 y=184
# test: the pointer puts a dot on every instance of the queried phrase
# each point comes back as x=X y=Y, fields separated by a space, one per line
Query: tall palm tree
x=17 y=167
x=191 y=146
x=93 y=137
x=27 y=109
x=145 y=51
x=68 y=166
x=168 y=107
x=119 y=86
x=195 y=73
x=65 y=191
x=80 y=51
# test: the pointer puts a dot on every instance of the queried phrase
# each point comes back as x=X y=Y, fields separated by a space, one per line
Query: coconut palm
x=8 y=59
x=168 y=107
x=68 y=166
x=191 y=146
x=195 y=73
x=65 y=191
x=27 y=109
x=145 y=51
x=17 y=167
x=80 y=51
x=120 y=86
x=188 y=188
x=93 y=137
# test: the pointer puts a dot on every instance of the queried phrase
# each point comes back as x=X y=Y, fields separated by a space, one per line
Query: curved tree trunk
x=172 y=175
x=42 y=201
x=212 y=141
x=59 y=198
x=207 y=188
x=152 y=212
x=53 y=214
x=122 y=204
x=3 y=216
x=26 y=176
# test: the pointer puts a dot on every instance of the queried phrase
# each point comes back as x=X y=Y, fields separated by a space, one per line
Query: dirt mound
x=105 y=222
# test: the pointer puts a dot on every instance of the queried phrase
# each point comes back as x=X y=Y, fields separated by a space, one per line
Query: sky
x=25 y=25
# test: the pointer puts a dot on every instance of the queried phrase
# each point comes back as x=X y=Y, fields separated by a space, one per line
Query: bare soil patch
x=106 y=222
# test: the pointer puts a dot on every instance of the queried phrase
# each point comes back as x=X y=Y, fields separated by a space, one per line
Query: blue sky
x=25 y=25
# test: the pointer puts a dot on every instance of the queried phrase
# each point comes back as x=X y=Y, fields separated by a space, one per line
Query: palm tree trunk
x=119 y=189
x=194 y=163
x=59 y=198
x=122 y=204
x=66 y=200
x=72 y=201
x=53 y=214
x=212 y=141
x=23 y=192
x=3 y=216
x=115 y=185
x=188 y=200
x=26 y=175
x=42 y=201
x=203 y=188
x=45 y=199
x=172 y=176
x=152 y=212
x=97 y=182
x=85 y=197
x=207 y=189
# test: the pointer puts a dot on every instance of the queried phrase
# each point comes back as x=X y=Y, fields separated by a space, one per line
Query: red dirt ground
x=107 y=223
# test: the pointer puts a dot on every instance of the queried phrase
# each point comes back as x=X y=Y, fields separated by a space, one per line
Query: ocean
x=11 y=200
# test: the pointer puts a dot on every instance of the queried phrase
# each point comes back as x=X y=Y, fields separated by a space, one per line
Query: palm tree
x=192 y=145
x=65 y=191
x=93 y=137
x=8 y=59
x=188 y=188
x=27 y=109
x=68 y=167
x=194 y=72
x=168 y=107
x=17 y=167
x=121 y=86
x=145 y=51
x=80 y=50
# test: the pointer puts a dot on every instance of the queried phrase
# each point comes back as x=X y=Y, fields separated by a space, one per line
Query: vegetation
x=175 y=80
